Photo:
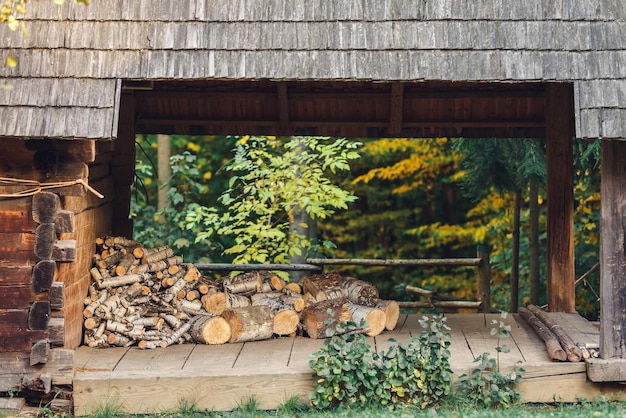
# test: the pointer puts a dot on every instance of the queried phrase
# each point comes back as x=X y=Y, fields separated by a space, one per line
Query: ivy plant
x=272 y=181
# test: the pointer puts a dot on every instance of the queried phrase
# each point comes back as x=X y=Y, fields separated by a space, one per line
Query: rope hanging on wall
x=34 y=187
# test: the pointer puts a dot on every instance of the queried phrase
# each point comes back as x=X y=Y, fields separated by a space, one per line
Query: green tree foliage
x=270 y=180
x=196 y=177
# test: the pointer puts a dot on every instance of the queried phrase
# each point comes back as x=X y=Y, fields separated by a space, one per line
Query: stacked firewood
x=559 y=345
x=148 y=297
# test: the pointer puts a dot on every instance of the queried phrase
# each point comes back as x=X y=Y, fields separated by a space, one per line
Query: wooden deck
x=221 y=377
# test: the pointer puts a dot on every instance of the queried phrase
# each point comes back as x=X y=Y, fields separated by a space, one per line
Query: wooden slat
x=16 y=215
x=19 y=296
x=173 y=358
x=213 y=359
x=221 y=377
x=15 y=274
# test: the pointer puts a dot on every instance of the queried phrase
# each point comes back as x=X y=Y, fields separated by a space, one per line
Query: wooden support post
x=559 y=152
x=484 y=280
x=612 y=251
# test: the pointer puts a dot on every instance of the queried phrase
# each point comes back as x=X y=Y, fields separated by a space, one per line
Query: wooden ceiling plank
x=396 y=108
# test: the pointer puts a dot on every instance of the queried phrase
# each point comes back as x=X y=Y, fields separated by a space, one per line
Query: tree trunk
x=515 y=251
x=534 y=242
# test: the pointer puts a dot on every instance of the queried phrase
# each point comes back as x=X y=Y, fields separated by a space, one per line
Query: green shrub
x=349 y=372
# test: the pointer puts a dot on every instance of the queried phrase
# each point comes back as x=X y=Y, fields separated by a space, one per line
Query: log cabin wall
x=46 y=250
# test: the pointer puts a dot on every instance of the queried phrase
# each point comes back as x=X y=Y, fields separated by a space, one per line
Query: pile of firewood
x=559 y=345
x=148 y=297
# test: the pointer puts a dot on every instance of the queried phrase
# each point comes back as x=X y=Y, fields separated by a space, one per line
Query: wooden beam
x=612 y=251
x=559 y=151
x=396 y=107
x=283 y=105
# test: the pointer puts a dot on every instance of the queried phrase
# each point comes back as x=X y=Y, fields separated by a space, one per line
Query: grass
x=297 y=407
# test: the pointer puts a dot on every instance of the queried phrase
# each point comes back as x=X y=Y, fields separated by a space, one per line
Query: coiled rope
x=34 y=187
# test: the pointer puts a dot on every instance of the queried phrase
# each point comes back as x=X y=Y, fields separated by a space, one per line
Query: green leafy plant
x=349 y=372
x=486 y=386
x=271 y=183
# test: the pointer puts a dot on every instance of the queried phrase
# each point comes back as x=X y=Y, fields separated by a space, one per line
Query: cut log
x=64 y=222
x=250 y=282
x=574 y=354
x=391 y=310
x=192 y=274
x=359 y=292
x=43 y=275
x=286 y=319
x=167 y=252
x=40 y=352
x=555 y=351
x=249 y=323
x=214 y=303
x=125 y=264
x=121 y=280
x=46 y=206
x=64 y=250
x=374 y=318
x=324 y=315
x=317 y=283
x=294 y=287
x=45 y=236
x=210 y=329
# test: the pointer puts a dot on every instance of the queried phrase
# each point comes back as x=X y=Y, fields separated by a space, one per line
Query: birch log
x=249 y=323
x=210 y=329
x=374 y=318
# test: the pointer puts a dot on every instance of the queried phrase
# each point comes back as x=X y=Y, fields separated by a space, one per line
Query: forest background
x=415 y=198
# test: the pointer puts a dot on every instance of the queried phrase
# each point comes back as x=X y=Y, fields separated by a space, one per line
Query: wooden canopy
x=541 y=68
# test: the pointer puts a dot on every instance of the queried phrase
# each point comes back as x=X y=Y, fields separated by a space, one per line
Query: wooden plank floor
x=221 y=377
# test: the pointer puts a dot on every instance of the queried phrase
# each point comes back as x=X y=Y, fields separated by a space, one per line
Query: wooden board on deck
x=221 y=377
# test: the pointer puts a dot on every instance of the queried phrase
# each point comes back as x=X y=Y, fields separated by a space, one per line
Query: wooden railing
x=316 y=265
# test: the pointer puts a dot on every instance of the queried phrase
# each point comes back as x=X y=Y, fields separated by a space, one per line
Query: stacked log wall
x=44 y=261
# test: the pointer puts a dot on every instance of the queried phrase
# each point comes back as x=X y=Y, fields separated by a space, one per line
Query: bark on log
x=125 y=264
x=248 y=283
x=286 y=319
x=317 y=283
x=249 y=323
x=210 y=329
x=574 y=354
x=359 y=292
x=555 y=351
x=374 y=317
x=321 y=316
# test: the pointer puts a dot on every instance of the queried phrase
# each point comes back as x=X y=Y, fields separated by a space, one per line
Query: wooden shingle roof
x=68 y=79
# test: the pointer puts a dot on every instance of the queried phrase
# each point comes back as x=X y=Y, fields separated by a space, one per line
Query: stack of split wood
x=148 y=297
x=560 y=346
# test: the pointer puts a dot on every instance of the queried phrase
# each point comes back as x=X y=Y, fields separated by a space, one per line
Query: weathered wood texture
x=219 y=377
x=612 y=251
x=559 y=156
x=15 y=366
x=351 y=40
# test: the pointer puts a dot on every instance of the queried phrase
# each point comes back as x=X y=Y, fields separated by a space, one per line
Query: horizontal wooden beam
x=435 y=262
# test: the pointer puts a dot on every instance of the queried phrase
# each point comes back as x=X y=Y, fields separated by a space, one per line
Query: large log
x=574 y=354
x=316 y=284
x=391 y=308
x=321 y=316
x=286 y=319
x=43 y=275
x=359 y=292
x=249 y=323
x=555 y=351
x=210 y=329
x=374 y=318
